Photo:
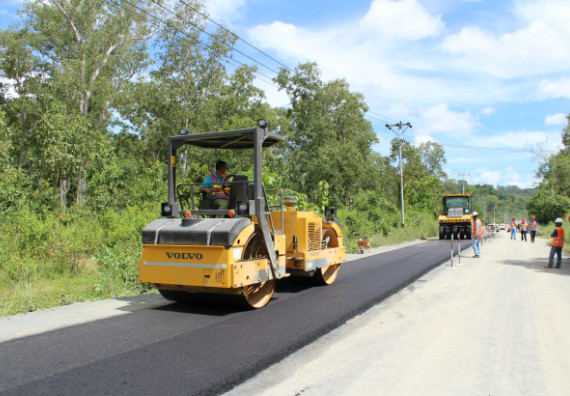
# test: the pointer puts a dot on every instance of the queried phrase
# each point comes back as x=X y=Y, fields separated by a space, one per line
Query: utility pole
x=463 y=176
x=400 y=133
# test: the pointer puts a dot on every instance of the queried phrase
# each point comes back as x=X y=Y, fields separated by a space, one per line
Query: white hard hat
x=475 y=214
x=558 y=220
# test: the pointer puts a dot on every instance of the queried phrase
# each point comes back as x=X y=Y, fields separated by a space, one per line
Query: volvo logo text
x=184 y=256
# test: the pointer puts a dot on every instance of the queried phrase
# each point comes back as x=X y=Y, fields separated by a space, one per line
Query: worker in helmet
x=514 y=229
x=557 y=243
x=476 y=235
x=532 y=227
x=524 y=229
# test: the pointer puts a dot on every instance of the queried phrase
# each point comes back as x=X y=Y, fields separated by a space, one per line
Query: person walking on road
x=477 y=235
x=524 y=228
x=557 y=243
x=514 y=229
x=532 y=228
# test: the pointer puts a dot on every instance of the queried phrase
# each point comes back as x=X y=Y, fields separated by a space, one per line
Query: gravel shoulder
x=495 y=325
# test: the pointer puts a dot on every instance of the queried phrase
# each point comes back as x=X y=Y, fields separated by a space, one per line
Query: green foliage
x=552 y=199
x=329 y=138
x=97 y=254
x=117 y=273
x=546 y=207
x=323 y=196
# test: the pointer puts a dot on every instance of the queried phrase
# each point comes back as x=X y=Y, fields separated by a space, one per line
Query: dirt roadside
x=495 y=325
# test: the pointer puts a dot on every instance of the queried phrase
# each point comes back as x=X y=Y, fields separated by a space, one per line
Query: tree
x=330 y=139
x=64 y=143
x=422 y=186
x=546 y=206
x=89 y=49
x=555 y=169
x=20 y=65
x=433 y=157
x=77 y=55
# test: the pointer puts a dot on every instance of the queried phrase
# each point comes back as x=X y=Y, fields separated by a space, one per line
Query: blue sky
x=488 y=80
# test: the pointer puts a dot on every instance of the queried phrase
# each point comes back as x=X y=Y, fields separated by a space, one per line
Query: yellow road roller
x=196 y=249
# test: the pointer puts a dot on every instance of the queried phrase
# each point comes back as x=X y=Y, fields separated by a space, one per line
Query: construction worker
x=477 y=235
x=557 y=243
x=514 y=229
x=532 y=228
x=524 y=228
x=215 y=186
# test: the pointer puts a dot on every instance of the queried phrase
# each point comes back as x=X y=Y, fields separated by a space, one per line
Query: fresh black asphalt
x=181 y=349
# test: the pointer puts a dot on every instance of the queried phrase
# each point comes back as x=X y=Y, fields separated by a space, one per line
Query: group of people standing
x=557 y=235
x=524 y=228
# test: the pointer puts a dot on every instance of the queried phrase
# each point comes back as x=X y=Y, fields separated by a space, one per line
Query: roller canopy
x=232 y=140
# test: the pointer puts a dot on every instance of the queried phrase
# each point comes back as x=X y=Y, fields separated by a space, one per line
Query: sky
x=489 y=80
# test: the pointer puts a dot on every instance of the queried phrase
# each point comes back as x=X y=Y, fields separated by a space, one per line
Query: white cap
x=475 y=214
x=558 y=220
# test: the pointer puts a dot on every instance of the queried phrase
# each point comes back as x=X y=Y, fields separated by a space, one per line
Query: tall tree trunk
x=64 y=186
x=81 y=189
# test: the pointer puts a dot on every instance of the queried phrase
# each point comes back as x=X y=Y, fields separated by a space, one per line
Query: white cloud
x=552 y=12
x=510 y=176
x=224 y=11
x=9 y=84
x=556 y=119
x=548 y=89
x=440 y=119
x=536 y=49
x=406 y=19
x=487 y=111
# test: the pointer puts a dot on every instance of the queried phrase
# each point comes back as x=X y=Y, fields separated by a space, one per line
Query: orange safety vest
x=523 y=226
x=558 y=239
x=477 y=229
x=513 y=225
x=533 y=226
x=219 y=190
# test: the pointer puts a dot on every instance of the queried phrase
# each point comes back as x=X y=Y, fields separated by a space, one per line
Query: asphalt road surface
x=175 y=349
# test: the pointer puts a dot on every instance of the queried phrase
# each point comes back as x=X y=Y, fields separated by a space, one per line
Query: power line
x=234 y=34
x=380 y=115
x=212 y=36
x=199 y=43
x=228 y=58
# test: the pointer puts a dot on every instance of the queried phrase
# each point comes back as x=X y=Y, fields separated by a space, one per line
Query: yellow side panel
x=186 y=265
x=317 y=259
x=280 y=244
x=248 y=272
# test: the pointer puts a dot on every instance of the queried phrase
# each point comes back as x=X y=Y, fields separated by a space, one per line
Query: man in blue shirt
x=215 y=186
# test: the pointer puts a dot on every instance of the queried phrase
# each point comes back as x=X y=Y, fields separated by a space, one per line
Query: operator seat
x=238 y=191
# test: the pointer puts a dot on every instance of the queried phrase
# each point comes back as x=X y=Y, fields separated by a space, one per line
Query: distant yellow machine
x=240 y=251
x=457 y=217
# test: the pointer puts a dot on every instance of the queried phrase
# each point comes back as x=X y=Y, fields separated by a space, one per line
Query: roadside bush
x=48 y=259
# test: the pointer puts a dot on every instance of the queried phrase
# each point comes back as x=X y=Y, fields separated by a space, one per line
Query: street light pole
x=400 y=132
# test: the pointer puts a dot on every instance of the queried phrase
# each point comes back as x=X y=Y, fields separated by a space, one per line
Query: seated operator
x=215 y=186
